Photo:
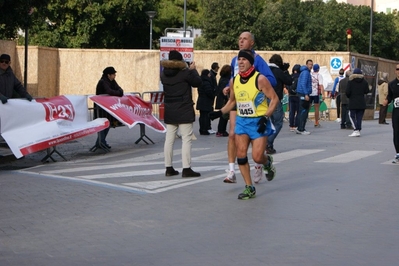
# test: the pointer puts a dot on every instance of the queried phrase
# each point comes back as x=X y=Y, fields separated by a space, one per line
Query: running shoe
x=258 y=174
x=231 y=177
x=355 y=133
x=396 y=160
x=249 y=192
x=269 y=167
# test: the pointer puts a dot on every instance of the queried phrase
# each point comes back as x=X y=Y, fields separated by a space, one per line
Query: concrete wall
x=54 y=71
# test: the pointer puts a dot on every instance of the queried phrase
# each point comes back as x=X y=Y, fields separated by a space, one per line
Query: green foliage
x=290 y=25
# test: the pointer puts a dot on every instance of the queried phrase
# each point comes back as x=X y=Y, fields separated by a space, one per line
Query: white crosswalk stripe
x=147 y=171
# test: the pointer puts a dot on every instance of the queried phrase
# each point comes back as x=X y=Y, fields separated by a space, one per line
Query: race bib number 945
x=246 y=108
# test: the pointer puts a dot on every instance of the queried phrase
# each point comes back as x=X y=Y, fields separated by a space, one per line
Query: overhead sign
x=185 y=45
x=335 y=64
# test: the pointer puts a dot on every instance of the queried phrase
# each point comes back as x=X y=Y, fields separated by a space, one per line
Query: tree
x=14 y=15
x=225 y=21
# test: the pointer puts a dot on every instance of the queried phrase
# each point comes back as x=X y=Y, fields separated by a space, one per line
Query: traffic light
x=349 y=33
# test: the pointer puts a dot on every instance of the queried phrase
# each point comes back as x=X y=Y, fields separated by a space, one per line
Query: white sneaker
x=302 y=132
x=355 y=133
x=211 y=131
x=396 y=160
x=258 y=174
x=338 y=120
x=231 y=177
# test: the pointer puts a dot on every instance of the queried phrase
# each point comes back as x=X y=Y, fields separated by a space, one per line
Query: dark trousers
x=356 y=117
x=383 y=114
x=293 y=102
x=395 y=126
x=338 y=101
x=204 y=121
x=222 y=125
x=102 y=135
x=345 y=122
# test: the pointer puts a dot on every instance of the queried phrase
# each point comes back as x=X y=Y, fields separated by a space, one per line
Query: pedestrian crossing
x=145 y=173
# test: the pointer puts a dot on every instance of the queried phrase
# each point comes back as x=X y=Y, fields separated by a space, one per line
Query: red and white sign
x=29 y=127
x=129 y=110
x=185 y=45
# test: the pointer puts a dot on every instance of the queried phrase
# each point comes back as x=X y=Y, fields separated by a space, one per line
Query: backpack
x=292 y=88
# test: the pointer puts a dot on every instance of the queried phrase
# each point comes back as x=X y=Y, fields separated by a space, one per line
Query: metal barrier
x=156 y=99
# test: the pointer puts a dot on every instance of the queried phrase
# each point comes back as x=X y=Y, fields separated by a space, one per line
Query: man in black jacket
x=283 y=78
x=10 y=86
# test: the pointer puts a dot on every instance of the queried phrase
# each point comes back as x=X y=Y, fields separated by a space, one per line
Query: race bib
x=246 y=108
x=396 y=102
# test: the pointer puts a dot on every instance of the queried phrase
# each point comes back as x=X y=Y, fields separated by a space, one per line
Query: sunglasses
x=397 y=69
x=4 y=61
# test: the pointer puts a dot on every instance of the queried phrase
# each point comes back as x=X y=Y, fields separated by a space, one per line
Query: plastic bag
x=333 y=104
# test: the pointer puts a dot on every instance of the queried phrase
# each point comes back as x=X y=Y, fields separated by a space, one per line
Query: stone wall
x=54 y=71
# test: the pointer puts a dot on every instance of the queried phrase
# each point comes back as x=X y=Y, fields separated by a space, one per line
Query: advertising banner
x=369 y=70
x=129 y=110
x=29 y=127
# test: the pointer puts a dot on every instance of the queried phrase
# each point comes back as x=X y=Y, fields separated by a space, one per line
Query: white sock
x=231 y=167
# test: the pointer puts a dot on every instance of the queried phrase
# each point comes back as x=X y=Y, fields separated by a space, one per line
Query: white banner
x=29 y=127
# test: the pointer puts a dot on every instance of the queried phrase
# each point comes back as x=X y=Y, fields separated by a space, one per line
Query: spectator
x=206 y=97
x=283 y=78
x=336 y=95
x=393 y=96
x=343 y=84
x=221 y=100
x=10 y=86
x=304 y=89
x=106 y=85
x=356 y=90
x=293 y=100
x=178 y=80
x=382 y=95
x=317 y=90
x=214 y=73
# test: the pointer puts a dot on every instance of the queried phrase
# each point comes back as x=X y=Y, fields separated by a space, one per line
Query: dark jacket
x=304 y=81
x=106 y=86
x=213 y=78
x=356 y=90
x=206 y=95
x=222 y=99
x=292 y=88
x=343 y=84
x=177 y=82
x=282 y=78
x=10 y=86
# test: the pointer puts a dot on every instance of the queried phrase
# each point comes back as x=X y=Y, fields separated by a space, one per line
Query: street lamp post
x=151 y=15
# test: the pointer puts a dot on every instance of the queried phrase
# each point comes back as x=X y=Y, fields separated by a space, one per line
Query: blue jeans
x=303 y=114
x=278 y=121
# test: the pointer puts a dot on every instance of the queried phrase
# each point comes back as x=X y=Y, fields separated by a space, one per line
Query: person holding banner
x=106 y=85
x=10 y=86
x=178 y=79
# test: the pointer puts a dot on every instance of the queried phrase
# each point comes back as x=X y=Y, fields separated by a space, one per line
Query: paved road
x=334 y=202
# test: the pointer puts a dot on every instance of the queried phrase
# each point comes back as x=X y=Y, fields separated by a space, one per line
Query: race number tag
x=396 y=102
x=246 y=108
